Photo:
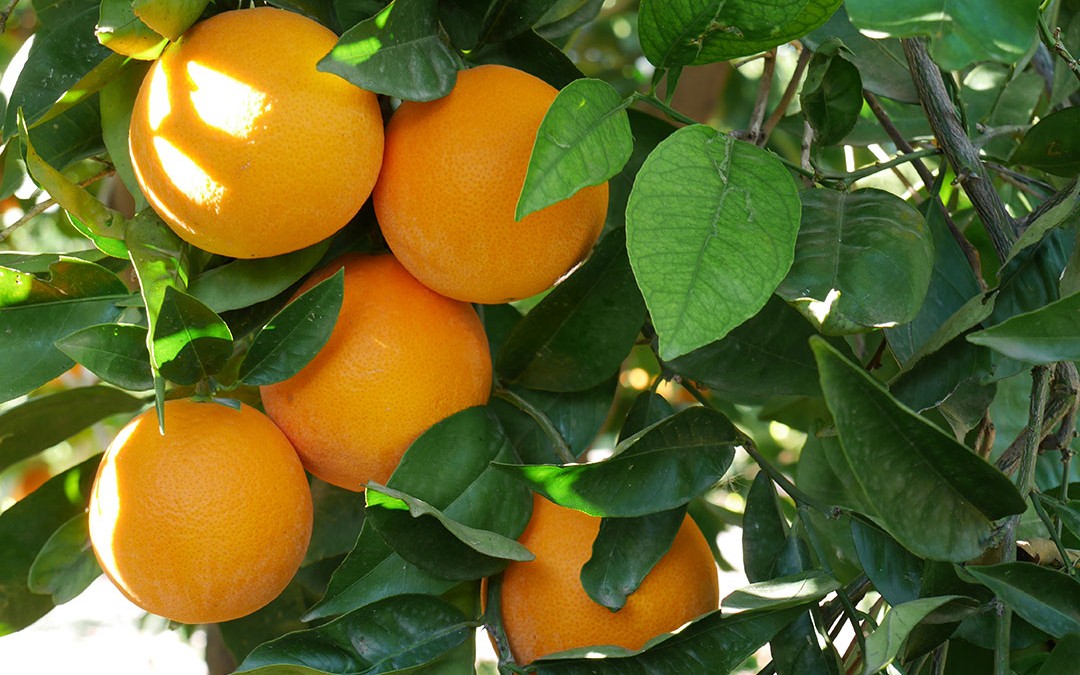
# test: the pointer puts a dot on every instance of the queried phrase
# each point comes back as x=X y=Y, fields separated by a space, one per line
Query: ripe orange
x=233 y=122
x=401 y=358
x=451 y=176
x=34 y=476
x=205 y=523
x=545 y=609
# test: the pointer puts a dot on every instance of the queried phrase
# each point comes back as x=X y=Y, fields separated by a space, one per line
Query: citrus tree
x=544 y=296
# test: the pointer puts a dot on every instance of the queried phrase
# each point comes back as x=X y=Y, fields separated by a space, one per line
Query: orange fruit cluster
x=245 y=149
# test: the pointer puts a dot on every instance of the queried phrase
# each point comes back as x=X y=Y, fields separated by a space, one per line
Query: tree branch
x=961 y=153
x=785 y=100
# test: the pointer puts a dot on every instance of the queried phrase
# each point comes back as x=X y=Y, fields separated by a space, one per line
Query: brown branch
x=41 y=207
x=5 y=14
x=961 y=153
x=757 y=117
x=785 y=99
x=1061 y=405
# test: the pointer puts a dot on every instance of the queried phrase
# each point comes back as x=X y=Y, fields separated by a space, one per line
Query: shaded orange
x=451 y=176
x=546 y=610
x=205 y=523
x=401 y=358
x=243 y=147
x=31 y=479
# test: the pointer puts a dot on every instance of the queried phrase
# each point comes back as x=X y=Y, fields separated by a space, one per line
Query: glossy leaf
x=768 y=355
x=933 y=495
x=475 y=553
x=671 y=31
x=710 y=227
x=389 y=635
x=863 y=259
x=566 y=16
x=24 y=529
x=43 y=421
x=119 y=29
x=765 y=530
x=831 y=94
x=624 y=552
x=65 y=565
x=660 y=468
x=746 y=29
x=338 y=517
x=1046 y=598
x=169 y=17
x=647 y=409
x=116 y=353
x=1051 y=145
x=397 y=52
x=584 y=139
x=580 y=333
x=1046 y=335
x=1030 y=279
x=189 y=342
x=1060 y=214
x=999 y=30
x=781 y=593
x=294 y=335
x=242 y=283
x=533 y=54
x=117 y=101
x=894 y=571
x=884 y=644
x=1064 y=657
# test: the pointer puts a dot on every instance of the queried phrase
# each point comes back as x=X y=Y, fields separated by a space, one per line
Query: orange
x=546 y=610
x=243 y=147
x=451 y=176
x=33 y=477
x=401 y=358
x=205 y=523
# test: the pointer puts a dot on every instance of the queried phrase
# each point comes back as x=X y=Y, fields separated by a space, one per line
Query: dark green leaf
x=581 y=332
x=189 y=341
x=648 y=131
x=1048 y=599
x=389 y=635
x=768 y=355
x=65 y=565
x=710 y=226
x=957 y=366
x=534 y=55
x=281 y=616
x=862 y=260
x=895 y=572
x=831 y=94
x=765 y=26
x=584 y=139
x=116 y=353
x=765 y=530
x=69 y=136
x=339 y=514
x=1051 y=145
x=625 y=550
x=242 y=283
x=1065 y=657
x=24 y=529
x=566 y=16
x=1046 y=335
x=41 y=422
x=295 y=334
x=1060 y=214
x=475 y=553
x=1000 y=30
x=1030 y=279
x=1067 y=512
x=933 y=495
x=647 y=409
x=658 y=469
x=671 y=31
x=397 y=52
x=507 y=18
x=883 y=645
x=784 y=592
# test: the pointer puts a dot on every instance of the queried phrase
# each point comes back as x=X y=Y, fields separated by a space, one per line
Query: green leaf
x=1051 y=145
x=1064 y=658
x=65 y=565
x=765 y=530
x=189 y=341
x=831 y=94
x=660 y=468
x=749 y=28
x=785 y=592
x=624 y=551
x=566 y=16
x=648 y=131
x=169 y=17
x=1056 y=216
x=710 y=227
x=1046 y=335
x=339 y=515
x=768 y=355
x=120 y=30
x=295 y=334
x=713 y=644
x=580 y=333
x=863 y=260
x=63 y=53
x=117 y=101
x=584 y=139
x=397 y=52
x=43 y=421
x=933 y=495
x=883 y=645
x=960 y=33
x=116 y=353
x=671 y=31
x=389 y=635
x=533 y=54
x=24 y=529
x=1048 y=599
x=647 y=409
x=894 y=571
x=507 y=18
x=242 y=283
x=478 y=553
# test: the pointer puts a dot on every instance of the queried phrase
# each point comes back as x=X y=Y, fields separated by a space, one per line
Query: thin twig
x=1062 y=402
x=961 y=153
x=1052 y=40
x=561 y=447
x=757 y=117
x=927 y=177
x=41 y=207
x=5 y=14
x=785 y=99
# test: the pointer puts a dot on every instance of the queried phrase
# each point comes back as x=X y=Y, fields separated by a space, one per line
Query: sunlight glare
x=189 y=177
x=224 y=102
x=159 y=105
